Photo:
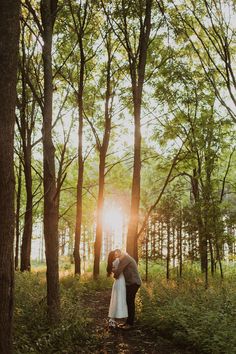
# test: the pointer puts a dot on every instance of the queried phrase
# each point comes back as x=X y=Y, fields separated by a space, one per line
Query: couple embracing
x=126 y=284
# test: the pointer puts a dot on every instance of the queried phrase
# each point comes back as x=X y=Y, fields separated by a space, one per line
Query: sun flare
x=113 y=217
x=113 y=220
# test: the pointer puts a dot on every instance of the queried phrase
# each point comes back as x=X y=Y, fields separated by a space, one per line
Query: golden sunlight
x=113 y=220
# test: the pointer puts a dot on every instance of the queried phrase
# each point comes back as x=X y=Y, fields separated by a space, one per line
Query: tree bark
x=132 y=246
x=137 y=73
x=79 y=207
x=18 y=201
x=51 y=202
x=102 y=163
x=99 y=228
x=25 y=127
x=180 y=241
x=80 y=23
x=168 y=249
x=28 y=220
x=146 y=253
x=201 y=233
x=9 y=37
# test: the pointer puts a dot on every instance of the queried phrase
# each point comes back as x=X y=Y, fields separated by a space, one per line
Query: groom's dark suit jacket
x=129 y=268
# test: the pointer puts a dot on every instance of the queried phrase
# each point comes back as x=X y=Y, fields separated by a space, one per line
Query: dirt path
x=135 y=341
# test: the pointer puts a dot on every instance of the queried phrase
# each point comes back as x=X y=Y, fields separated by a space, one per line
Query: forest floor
x=135 y=341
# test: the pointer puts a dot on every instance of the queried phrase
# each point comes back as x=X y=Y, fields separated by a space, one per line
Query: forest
x=117 y=130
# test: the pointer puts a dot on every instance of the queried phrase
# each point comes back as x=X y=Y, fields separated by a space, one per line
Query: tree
x=209 y=28
x=51 y=199
x=26 y=124
x=102 y=147
x=48 y=10
x=18 y=203
x=132 y=25
x=9 y=37
x=82 y=17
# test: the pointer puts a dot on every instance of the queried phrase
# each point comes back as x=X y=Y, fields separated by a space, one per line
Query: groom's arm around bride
x=128 y=266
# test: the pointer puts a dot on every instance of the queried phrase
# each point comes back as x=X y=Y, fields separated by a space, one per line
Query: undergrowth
x=71 y=334
x=203 y=320
x=181 y=310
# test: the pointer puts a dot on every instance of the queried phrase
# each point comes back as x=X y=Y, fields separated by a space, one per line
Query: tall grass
x=182 y=310
x=72 y=334
x=203 y=320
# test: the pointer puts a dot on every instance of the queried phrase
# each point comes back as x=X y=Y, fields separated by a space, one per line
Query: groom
x=129 y=268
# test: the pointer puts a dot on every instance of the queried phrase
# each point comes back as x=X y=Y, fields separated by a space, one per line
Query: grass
x=32 y=331
x=203 y=320
x=181 y=310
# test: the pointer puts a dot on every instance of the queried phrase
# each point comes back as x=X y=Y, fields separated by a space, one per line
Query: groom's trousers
x=131 y=291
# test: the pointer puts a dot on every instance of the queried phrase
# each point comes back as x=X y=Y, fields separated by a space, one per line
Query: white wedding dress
x=118 y=305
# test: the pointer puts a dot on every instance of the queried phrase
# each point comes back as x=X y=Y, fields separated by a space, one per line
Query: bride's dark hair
x=110 y=259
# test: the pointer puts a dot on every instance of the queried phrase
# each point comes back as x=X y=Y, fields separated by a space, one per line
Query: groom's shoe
x=127 y=327
x=121 y=325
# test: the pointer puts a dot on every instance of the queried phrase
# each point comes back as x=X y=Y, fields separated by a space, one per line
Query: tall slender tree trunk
x=51 y=203
x=168 y=250
x=102 y=163
x=18 y=202
x=79 y=207
x=201 y=231
x=146 y=253
x=219 y=259
x=150 y=230
x=80 y=24
x=27 y=233
x=155 y=238
x=99 y=228
x=132 y=245
x=161 y=239
x=173 y=245
x=218 y=253
x=9 y=38
x=137 y=74
x=26 y=133
x=212 y=256
x=79 y=210
x=180 y=231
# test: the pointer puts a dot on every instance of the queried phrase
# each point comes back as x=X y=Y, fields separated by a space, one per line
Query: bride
x=118 y=306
